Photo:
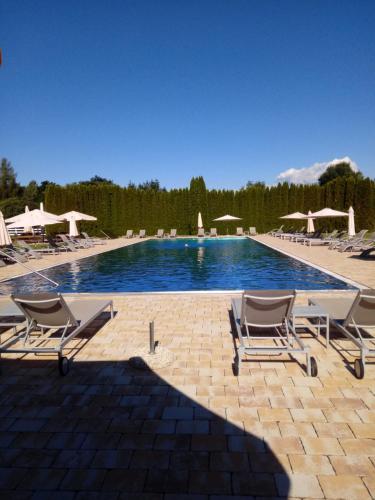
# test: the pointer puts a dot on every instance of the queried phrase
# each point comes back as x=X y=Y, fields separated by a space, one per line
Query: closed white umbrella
x=310 y=223
x=200 y=222
x=5 y=239
x=72 y=217
x=27 y=229
x=351 y=224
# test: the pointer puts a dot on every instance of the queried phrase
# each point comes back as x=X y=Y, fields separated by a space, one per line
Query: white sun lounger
x=353 y=318
x=270 y=312
x=51 y=323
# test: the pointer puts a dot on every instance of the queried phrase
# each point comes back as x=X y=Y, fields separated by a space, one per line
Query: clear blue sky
x=233 y=90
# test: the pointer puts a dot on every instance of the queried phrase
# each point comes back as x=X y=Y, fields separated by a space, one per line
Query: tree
x=96 y=179
x=31 y=194
x=254 y=184
x=342 y=169
x=153 y=184
x=9 y=186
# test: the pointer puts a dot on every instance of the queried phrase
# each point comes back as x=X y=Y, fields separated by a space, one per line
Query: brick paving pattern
x=191 y=430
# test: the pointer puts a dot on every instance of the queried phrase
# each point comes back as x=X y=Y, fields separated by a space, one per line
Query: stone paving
x=192 y=429
x=346 y=264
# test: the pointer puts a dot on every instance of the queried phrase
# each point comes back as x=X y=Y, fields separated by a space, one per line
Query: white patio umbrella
x=351 y=225
x=294 y=215
x=5 y=239
x=227 y=218
x=200 y=222
x=72 y=217
x=310 y=223
x=33 y=218
x=329 y=212
x=27 y=229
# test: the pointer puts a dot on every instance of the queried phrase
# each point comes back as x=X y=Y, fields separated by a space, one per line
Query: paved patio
x=345 y=264
x=191 y=430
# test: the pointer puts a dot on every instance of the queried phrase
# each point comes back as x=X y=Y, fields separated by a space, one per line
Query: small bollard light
x=152 y=338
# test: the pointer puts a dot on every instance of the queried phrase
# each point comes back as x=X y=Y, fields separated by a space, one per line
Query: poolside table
x=312 y=312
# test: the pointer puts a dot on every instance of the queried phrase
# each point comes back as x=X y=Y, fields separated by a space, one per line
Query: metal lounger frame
x=286 y=341
x=65 y=337
x=359 y=341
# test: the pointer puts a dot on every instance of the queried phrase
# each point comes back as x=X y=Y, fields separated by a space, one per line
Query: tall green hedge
x=121 y=208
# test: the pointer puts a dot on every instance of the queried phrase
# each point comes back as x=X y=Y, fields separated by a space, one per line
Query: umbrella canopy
x=72 y=217
x=33 y=218
x=227 y=218
x=310 y=223
x=200 y=222
x=295 y=215
x=351 y=225
x=4 y=235
x=328 y=212
x=76 y=216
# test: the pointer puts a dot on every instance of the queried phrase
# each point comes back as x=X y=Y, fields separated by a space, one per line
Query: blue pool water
x=181 y=264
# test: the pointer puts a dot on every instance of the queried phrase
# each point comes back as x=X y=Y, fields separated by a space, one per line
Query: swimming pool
x=181 y=265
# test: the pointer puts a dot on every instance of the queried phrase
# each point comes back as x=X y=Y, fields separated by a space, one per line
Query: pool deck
x=344 y=264
x=192 y=430
x=50 y=260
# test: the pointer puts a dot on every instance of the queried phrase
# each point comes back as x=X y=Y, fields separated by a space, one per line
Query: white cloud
x=309 y=175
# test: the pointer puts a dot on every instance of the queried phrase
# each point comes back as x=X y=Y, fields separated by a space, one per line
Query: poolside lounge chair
x=270 y=311
x=353 y=318
x=252 y=231
x=67 y=243
x=142 y=233
x=366 y=244
x=129 y=233
x=36 y=252
x=51 y=324
x=59 y=247
x=213 y=232
x=320 y=241
x=356 y=241
x=302 y=239
x=201 y=232
x=173 y=233
x=11 y=254
x=274 y=231
x=293 y=234
x=367 y=253
x=239 y=231
x=160 y=233
x=10 y=315
x=79 y=242
x=94 y=241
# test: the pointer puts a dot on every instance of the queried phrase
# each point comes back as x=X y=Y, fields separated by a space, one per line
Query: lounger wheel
x=359 y=368
x=63 y=365
x=313 y=367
